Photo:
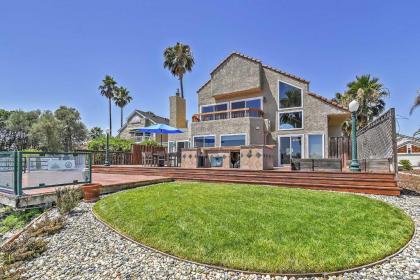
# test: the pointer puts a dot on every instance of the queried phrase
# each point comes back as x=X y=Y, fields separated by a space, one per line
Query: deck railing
x=228 y=114
x=28 y=170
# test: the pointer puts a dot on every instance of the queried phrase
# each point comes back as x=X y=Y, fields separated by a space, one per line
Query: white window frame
x=285 y=112
x=176 y=143
x=169 y=145
x=302 y=149
x=261 y=98
x=209 y=135
x=278 y=96
x=323 y=142
x=231 y=134
x=206 y=105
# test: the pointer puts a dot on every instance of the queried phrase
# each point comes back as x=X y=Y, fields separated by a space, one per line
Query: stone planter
x=91 y=192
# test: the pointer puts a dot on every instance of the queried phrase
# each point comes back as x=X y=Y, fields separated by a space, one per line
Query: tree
x=121 y=99
x=72 y=131
x=108 y=89
x=116 y=144
x=416 y=102
x=18 y=125
x=95 y=132
x=178 y=59
x=4 y=132
x=46 y=133
x=370 y=94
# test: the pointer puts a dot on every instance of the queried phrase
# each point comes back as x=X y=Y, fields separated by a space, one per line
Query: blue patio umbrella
x=162 y=129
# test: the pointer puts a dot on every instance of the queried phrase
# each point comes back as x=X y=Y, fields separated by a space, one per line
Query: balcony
x=228 y=114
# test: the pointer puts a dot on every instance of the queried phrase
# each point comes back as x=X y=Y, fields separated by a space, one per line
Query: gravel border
x=87 y=249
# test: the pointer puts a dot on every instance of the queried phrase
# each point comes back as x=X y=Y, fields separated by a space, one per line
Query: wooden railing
x=228 y=114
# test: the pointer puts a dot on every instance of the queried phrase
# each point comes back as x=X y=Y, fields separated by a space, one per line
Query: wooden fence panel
x=137 y=151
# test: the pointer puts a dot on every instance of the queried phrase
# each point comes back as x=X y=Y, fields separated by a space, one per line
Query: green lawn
x=259 y=228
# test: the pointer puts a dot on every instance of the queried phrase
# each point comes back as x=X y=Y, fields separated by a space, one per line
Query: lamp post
x=107 y=148
x=353 y=107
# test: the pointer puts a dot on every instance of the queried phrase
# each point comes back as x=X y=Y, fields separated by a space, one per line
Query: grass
x=18 y=219
x=259 y=228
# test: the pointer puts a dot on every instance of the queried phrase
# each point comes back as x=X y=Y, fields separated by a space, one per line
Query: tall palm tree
x=370 y=94
x=121 y=99
x=178 y=59
x=108 y=89
x=416 y=102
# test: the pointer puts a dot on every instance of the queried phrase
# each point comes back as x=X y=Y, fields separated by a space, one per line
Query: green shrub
x=150 y=142
x=18 y=219
x=68 y=199
x=116 y=144
x=406 y=164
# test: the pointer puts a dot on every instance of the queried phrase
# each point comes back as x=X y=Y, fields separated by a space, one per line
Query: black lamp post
x=353 y=107
x=107 y=149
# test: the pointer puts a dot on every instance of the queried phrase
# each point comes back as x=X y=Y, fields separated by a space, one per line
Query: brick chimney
x=177 y=111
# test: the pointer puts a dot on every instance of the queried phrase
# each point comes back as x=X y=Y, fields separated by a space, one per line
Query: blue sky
x=55 y=53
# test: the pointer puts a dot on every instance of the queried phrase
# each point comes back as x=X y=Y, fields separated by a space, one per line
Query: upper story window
x=222 y=107
x=290 y=120
x=242 y=104
x=204 y=141
x=289 y=96
x=214 y=108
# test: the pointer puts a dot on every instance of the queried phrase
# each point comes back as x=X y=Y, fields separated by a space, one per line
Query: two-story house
x=139 y=119
x=246 y=102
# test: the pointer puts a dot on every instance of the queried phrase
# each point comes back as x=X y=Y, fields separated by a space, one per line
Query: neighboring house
x=139 y=119
x=409 y=148
x=246 y=102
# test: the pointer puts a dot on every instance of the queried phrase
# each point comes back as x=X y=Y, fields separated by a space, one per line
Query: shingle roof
x=154 y=117
x=257 y=61
x=328 y=101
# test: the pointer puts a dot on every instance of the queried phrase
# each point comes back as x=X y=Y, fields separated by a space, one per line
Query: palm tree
x=178 y=59
x=108 y=89
x=370 y=94
x=121 y=99
x=416 y=102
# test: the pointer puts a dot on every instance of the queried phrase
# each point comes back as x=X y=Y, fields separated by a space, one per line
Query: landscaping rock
x=86 y=249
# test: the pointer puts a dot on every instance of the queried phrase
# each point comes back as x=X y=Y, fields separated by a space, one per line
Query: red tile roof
x=329 y=102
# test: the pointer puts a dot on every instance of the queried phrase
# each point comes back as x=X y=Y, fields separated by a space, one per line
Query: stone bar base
x=257 y=157
x=190 y=157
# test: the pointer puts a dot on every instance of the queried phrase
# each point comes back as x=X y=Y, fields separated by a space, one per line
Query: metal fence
x=29 y=170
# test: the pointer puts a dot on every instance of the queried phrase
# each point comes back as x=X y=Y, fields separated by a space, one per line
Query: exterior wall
x=236 y=74
x=177 y=112
x=252 y=127
x=239 y=74
x=137 y=121
x=413 y=158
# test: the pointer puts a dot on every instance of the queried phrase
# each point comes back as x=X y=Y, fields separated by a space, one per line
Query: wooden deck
x=372 y=183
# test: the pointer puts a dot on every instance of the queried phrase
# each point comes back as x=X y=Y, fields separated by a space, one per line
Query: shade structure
x=160 y=128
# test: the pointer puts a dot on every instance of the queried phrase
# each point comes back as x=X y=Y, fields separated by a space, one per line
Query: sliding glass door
x=290 y=147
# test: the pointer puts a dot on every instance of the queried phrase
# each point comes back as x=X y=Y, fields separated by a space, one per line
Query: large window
x=250 y=103
x=204 y=141
x=232 y=140
x=316 y=146
x=291 y=120
x=214 y=109
x=289 y=96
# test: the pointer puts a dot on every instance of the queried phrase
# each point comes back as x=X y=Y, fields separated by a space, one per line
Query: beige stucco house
x=138 y=119
x=246 y=102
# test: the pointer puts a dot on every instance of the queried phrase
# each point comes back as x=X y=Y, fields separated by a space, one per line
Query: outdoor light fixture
x=353 y=107
x=107 y=148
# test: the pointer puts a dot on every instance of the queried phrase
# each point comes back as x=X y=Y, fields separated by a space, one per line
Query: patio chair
x=161 y=159
x=146 y=158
